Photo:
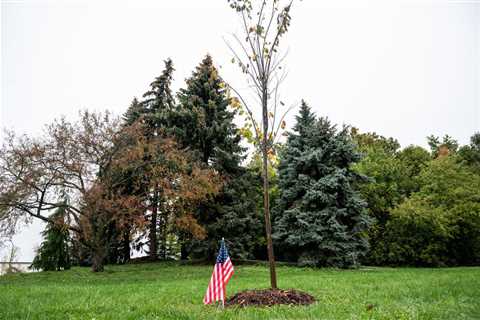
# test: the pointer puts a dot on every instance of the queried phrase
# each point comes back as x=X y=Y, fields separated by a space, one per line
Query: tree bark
x=153 y=228
x=183 y=252
x=98 y=259
x=126 y=245
x=266 y=195
x=163 y=234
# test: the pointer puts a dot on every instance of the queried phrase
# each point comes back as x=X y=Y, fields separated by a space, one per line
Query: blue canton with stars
x=223 y=253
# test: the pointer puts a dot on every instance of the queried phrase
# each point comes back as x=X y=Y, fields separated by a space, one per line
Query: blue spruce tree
x=320 y=219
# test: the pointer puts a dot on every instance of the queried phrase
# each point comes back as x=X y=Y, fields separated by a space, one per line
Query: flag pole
x=223 y=271
x=223 y=300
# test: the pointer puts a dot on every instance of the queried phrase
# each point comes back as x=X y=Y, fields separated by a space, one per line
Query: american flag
x=222 y=273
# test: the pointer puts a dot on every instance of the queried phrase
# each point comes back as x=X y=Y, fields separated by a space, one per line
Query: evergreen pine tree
x=133 y=113
x=119 y=246
x=207 y=128
x=53 y=254
x=158 y=105
x=320 y=219
x=154 y=110
x=159 y=102
x=119 y=249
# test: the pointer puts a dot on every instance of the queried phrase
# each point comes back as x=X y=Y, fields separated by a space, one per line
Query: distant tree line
x=173 y=176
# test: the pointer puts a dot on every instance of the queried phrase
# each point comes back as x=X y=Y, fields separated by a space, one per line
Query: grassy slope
x=167 y=291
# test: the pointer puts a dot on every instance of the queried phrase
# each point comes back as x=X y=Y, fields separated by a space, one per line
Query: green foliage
x=417 y=234
x=470 y=154
x=413 y=160
x=371 y=140
x=206 y=124
x=134 y=112
x=426 y=212
x=233 y=215
x=255 y=166
x=464 y=249
x=392 y=178
x=159 y=101
x=382 y=192
x=320 y=218
x=54 y=252
x=439 y=224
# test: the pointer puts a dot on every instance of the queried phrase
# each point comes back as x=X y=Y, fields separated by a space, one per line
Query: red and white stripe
x=222 y=272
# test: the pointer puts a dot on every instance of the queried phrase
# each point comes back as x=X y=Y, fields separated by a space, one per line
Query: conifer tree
x=119 y=246
x=119 y=249
x=134 y=112
x=158 y=102
x=320 y=219
x=54 y=253
x=207 y=128
x=207 y=125
x=157 y=105
x=154 y=111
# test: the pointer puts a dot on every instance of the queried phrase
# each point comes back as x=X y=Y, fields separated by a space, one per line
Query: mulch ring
x=270 y=297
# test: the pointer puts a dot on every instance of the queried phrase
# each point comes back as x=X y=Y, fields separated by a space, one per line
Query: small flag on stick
x=222 y=273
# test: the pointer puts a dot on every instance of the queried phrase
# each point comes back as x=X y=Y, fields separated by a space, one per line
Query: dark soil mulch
x=270 y=297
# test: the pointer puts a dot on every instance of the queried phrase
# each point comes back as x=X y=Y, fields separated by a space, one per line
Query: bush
x=418 y=234
x=465 y=245
x=440 y=224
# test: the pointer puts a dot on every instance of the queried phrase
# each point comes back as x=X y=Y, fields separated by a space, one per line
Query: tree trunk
x=266 y=195
x=183 y=252
x=126 y=245
x=153 y=227
x=98 y=259
x=163 y=234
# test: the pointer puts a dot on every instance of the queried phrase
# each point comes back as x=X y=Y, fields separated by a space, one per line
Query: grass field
x=169 y=291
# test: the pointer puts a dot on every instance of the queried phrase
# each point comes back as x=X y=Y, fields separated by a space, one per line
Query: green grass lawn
x=169 y=291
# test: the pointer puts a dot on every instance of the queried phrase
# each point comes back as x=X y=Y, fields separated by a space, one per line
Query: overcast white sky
x=405 y=69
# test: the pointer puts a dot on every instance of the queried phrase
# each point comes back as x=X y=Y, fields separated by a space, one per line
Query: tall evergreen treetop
x=133 y=113
x=159 y=102
x=208 y=126
x=160 y=94
x=157 y=111
x=320 y=219
x=305 y=119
